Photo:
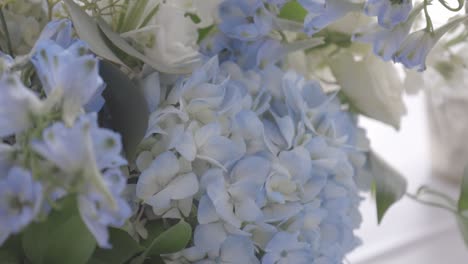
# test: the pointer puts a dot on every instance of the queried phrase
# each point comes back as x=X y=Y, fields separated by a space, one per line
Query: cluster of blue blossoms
x=260 y=161
x=52 y=145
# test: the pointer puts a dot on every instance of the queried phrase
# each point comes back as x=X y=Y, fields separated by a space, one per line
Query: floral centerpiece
x=197 y=131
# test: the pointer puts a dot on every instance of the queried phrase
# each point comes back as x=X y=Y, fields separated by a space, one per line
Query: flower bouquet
x=190 y=131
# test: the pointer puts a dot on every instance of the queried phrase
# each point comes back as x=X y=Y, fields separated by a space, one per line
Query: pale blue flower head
x=414 y=50
x=69 y=76
x=98 y=213
x=88 y=158
x=81 y=153
x=60 y=31
x=19 y=105
x=245 y=19
x=389 y=12
x=20 y=201
x=387 y=41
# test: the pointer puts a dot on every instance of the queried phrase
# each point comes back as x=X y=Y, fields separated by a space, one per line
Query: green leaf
x=11 y=251
x=462 y=222
x=154 y=228
x=63 y=236
x=123 y=248
x=126 y=107
x=172 y=240
x=88 y=30
x=203 y=32
x=292 y=10
x=462 y=206
x=463 y=199
x=389 y=185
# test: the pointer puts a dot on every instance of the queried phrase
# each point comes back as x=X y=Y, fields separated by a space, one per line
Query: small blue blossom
x=414 y=50
x=18 y=105
x=20 y=201
x=98 y=213
x=88 y=158
x=389 y=12
x=69 y=76
x=322 y=13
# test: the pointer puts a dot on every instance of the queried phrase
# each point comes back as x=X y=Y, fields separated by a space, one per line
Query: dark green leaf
x=126 y=107
x=123 y=248
x=292 y=10
x=389 y=185
x=463 y=199
x=172 y=240
x=88 y=30
x=154 y=228
x=194 y=17
x=11 y=251
x=62 y=237
x=160 y=242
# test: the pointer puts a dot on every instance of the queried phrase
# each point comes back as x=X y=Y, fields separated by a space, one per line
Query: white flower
x=169 y=39
x=372 y=86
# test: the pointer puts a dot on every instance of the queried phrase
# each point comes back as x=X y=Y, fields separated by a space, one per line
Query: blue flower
x=69 y=76
x=322 y=13
x=88 y=158
x=20 y=201
x=18 y=105
x=389 y=12
x=244 y=19
x=98 y=213
x=414 y=50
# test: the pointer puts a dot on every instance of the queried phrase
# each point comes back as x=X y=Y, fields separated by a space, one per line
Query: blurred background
x=410 y=232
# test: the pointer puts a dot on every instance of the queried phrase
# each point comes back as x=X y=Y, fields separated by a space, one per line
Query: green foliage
x=11 y=251
x=389 y=186
x=171 y=240
x=63 y=236
x=88 y=30
x=462 y=206
x=203 y=32
x=292 y=10
x=124 y=247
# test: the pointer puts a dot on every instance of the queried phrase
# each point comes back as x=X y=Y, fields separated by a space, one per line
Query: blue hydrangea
x=277 y=167
x=245 y=19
